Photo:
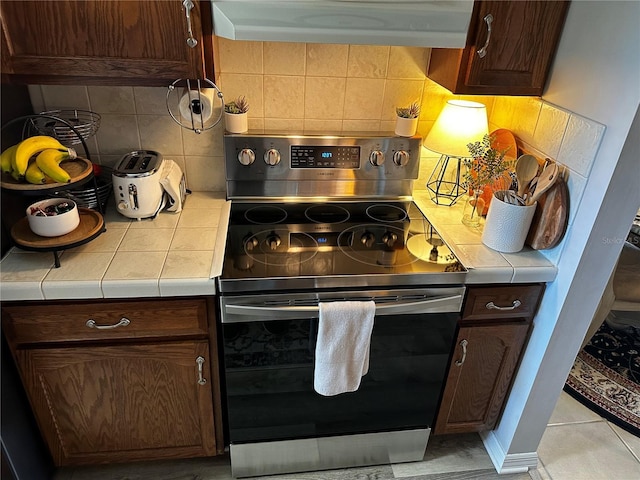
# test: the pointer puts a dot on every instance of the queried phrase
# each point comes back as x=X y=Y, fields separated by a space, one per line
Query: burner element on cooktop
x=327 y=213
x=265 y=215
x=386 y=213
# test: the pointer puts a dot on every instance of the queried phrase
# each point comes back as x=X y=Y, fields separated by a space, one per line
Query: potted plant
x=486 y=166
x=235 y=115
x=407 y=120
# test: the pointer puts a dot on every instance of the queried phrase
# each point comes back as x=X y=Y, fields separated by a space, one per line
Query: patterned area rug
x=606 y=374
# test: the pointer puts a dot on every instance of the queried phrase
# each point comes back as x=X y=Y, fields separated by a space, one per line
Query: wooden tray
x=78 y=169
x=91 y=225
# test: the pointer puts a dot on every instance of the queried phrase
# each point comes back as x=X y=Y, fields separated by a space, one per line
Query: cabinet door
x=101 y=42
x=121 y=403
x=524 y=37
x=479 y=377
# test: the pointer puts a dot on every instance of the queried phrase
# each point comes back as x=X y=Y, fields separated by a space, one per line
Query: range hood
x=421 y=23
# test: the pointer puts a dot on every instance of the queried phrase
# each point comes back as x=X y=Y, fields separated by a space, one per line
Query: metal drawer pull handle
x=201 y=379
x=463 y=344
x=91 y=323
x=188 y=6
x=483 y=51
x=493 y=306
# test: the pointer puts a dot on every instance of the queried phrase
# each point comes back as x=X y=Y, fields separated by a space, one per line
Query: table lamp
x=461 y=122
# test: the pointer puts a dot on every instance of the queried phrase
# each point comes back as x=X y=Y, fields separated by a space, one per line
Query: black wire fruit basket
x=85 y=123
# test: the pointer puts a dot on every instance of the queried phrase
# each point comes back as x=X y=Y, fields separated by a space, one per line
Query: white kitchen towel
x=342 y=349
x=173 y=183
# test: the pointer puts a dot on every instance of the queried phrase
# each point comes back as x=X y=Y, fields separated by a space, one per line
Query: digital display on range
x=309 y=156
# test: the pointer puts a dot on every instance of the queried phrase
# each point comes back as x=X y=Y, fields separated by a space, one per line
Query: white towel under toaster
x=342 y=348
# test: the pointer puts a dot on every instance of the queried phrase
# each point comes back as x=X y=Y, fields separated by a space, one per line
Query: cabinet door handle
x=188 y=6
x=463 y=344
x=91 y=323
x=493 y=306
x=483 y=51
x=201 y=379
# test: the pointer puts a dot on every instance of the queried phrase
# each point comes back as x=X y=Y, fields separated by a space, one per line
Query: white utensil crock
x=506 y=227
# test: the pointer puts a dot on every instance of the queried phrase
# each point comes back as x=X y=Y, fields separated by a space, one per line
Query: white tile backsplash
x=550 y=129
x=205 y=173
x=326 y=60
x=160 y=133
x=118 y=134
x=150 y=100
x=408 y=62
x=112 y=99
x=579 y=148
x=368 y=61
x=563 y=136
x=282 y=58
x=315 y=87
x=62 y=97
x=524 y=123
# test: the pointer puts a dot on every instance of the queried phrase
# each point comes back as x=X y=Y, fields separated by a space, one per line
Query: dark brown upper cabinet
x=518 y=52
x=104 y=42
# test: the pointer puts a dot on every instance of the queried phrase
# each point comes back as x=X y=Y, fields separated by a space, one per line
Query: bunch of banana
x=16 y=160
x=5 y=158
x=48 y=162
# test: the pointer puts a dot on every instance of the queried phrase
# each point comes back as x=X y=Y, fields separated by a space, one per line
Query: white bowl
x=56 y=225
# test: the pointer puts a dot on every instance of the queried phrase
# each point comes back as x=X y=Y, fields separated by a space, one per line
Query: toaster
x=136 y=184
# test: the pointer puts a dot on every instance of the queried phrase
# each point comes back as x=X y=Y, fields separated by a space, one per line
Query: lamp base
x=441 y=191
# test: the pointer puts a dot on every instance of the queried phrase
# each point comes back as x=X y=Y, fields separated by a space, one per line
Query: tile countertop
x=484 y=264
x=173 y=255
x=181 y=254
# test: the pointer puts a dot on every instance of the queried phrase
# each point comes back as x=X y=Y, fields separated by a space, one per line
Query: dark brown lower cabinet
x=116 y=398
x=494 y=327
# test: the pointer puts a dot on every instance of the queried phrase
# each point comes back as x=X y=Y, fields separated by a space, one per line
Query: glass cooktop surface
x=306 y=245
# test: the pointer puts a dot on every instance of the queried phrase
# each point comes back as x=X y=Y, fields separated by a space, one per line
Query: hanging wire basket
x=86 y=124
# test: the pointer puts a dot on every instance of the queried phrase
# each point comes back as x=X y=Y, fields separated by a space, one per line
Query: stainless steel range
x=318 y=219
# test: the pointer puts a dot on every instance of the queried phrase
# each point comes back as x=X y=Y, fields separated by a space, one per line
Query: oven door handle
x=252 y=313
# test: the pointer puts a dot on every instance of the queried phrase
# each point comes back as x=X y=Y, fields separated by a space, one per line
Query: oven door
x=269 y=343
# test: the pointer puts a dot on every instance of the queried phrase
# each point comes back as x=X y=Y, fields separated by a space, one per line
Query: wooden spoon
x=526 y=170
x=545 y=180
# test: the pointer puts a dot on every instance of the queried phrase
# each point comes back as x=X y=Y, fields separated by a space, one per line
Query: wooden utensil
x=545 y=181
x=550 y=220
x=526 y=170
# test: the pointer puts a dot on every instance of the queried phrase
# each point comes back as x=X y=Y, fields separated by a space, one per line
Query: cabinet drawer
x=492 y=302
x=95 y=321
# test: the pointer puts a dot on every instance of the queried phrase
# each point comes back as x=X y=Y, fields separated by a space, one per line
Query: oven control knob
x=389 y=239
x=273 y=241
x=250 y=242
x=376 y=158
x=246 y=156
x=272 y=157
x=368 y=239
x=401 y=158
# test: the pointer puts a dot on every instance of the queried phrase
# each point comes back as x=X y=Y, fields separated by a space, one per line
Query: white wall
x=596 y=74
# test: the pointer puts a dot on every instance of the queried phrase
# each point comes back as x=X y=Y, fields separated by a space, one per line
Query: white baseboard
x=507 y=463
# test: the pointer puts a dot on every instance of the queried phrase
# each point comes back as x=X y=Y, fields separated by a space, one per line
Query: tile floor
x=577 y=445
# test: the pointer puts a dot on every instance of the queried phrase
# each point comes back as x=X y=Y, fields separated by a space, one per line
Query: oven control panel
x=320 y=157
x=327 y=156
